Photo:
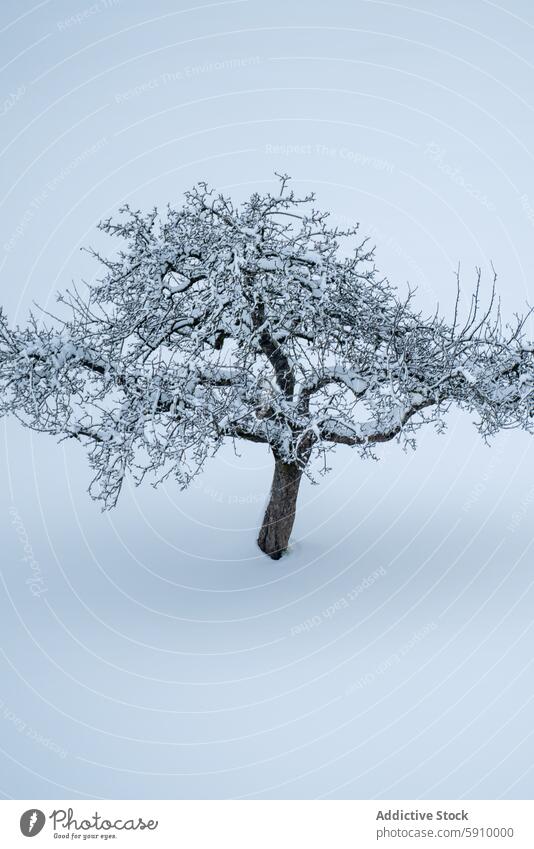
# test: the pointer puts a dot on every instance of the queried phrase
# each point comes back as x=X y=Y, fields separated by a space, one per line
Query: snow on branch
x=258 y=322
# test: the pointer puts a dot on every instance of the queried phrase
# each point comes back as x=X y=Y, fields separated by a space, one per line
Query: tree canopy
x=259 y=322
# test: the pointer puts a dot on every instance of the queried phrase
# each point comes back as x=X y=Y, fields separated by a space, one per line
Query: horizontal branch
x=345 y=437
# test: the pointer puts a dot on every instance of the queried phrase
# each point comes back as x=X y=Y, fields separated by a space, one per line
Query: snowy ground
x=389 y=655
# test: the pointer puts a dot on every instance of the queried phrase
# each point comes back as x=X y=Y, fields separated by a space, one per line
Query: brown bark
x=280 y=513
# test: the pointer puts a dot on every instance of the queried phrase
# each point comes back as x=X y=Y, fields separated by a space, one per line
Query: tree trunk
x=280 y=514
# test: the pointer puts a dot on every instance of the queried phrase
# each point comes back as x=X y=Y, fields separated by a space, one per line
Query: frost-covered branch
x=257 y=322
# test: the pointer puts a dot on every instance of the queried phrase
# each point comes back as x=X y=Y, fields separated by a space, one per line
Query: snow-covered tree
x=258 y=322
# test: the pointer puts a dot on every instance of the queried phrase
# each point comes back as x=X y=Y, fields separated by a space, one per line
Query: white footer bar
x=268 y=824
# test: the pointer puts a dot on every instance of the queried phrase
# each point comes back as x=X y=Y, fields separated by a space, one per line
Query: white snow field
x=155 y=652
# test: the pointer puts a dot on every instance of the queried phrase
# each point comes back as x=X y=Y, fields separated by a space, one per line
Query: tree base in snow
x=279 y=517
